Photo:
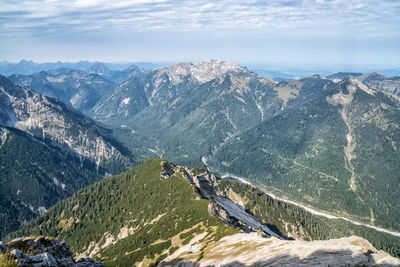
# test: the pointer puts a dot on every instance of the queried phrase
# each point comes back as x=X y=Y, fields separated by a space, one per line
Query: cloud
x=142 y=27
x=196 y=15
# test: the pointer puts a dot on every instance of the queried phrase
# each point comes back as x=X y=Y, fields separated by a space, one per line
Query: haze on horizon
x=306 y=32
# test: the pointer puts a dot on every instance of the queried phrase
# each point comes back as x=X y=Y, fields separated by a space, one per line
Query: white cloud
x=67 y=23
x=143 y=15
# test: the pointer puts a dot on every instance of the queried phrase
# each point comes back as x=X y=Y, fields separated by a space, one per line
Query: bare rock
x=44 y=251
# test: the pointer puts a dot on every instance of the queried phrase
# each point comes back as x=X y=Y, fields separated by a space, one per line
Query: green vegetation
x=343 y=159
x=159 y=215
x=29 y=175
x=41 y=165
x=293 y=221
x=339 y=157
x=188 y=120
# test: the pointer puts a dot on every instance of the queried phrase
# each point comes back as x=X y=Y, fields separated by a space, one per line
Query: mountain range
x=329 y=144
x=317 y=132
x=79 y=89
x=337 y=152
x=27 y=67
x=48 y=151
x=74 y=88
x=374 y=80
x=188 y=110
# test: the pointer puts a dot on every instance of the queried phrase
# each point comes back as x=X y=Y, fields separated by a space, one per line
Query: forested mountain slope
x=161 y=212
x=187 y=111
x=48 y=151
x=338 y=152
x=135 y=217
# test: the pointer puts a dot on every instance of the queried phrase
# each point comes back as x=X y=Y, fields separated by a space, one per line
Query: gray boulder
x=44 y=251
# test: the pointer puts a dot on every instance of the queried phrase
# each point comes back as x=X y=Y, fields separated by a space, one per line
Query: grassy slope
x=155 y=210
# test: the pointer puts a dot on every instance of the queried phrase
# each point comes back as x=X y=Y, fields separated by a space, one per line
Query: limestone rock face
x=251 y=249
x=43 y=251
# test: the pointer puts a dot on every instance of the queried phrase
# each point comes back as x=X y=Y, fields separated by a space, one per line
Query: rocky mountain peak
x=99 y=68
x=352 y=84
x=207 y=70
x=10 y=89
x=315 y=76
x=175 y=73
x=47 y=118
x=202 y=71
x=373 y=76
x=345 y=90
x=133 y=68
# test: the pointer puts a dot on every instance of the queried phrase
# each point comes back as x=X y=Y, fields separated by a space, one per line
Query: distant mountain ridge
x=27 y=67
x=374 y=80
x=116 y=76
x=74 y=88
x=82 y=90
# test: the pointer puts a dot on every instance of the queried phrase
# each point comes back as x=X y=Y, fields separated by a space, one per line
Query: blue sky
x=312 y=32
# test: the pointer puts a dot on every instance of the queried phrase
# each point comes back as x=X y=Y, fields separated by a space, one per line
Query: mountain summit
x=201 y=72
x=100 y=69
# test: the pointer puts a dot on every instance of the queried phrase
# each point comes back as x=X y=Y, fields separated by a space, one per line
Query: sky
x=303 y=32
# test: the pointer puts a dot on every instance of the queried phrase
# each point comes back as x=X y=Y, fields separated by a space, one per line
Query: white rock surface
x=253 y=250
x=44 y=118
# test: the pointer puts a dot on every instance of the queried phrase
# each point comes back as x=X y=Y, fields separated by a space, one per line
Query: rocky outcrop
x=222 y=207
x=254 y=250
x=43 y=251
x=50 y=122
